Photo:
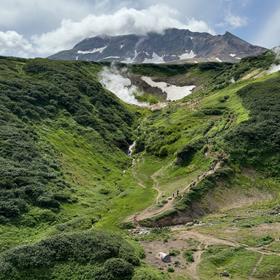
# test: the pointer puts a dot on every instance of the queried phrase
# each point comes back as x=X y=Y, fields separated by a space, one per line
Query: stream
x=131 y=148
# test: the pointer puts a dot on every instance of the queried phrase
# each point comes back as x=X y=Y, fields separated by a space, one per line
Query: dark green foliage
x=160 y=69
x=189 y=256
x=170 y=269
x=114 y=257
x=265 y=240
x=256 y=141
x=213 y=111
x=254 y=62
x=226 y=72
x=174 y=252
x=213 y=66
x=185 y=156
x=32 y=91
x=24 y=170
x=117 y=268
x=71 y=88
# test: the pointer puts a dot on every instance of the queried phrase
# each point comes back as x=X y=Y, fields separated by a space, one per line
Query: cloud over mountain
x=124 y=21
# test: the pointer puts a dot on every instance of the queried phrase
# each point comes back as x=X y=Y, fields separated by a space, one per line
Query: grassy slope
x=245 y=202
x=104 y=195
x=84 y=144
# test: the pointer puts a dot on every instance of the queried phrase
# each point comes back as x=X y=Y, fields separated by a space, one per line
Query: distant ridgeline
x=173 y=45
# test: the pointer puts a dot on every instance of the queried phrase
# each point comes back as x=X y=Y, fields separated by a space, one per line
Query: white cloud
x=198 y=26
x=124 y=21
x=11 y=42
x=235 y=21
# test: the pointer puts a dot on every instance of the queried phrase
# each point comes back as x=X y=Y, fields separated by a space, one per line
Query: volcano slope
x=202 y=182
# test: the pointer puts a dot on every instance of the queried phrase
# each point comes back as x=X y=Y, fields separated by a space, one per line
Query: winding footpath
x=155 y=210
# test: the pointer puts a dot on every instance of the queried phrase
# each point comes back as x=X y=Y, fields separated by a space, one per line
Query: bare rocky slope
x=172 y=45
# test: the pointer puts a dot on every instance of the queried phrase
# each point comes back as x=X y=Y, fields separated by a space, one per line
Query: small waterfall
x=131 y=148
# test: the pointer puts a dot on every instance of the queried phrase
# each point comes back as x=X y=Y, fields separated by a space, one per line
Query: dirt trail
x=251 y=277
x=193 y=267
x=154 y=210
x=207 y=240
x=211 y=240
x=179 y=242
x=203 y=238
x=181 y=235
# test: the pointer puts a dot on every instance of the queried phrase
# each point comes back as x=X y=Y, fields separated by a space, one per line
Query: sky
x=38 y=28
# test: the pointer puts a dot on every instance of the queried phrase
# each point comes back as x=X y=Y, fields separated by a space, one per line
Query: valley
x=197 y=178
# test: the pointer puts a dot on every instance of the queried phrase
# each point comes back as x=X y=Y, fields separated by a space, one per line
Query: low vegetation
x=66 y=179
x=89 y=255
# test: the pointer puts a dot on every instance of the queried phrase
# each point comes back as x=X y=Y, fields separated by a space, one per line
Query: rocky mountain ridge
x=173 y=45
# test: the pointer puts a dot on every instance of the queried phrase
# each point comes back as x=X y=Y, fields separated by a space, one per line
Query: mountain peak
x=172 y=45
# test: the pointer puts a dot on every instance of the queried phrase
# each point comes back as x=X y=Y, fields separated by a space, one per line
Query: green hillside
x=75 y=205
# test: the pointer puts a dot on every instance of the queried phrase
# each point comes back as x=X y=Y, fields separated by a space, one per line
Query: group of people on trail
x=177 y=192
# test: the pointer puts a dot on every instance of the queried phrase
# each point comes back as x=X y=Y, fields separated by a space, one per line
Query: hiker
x=177 y=192
x=135 y=219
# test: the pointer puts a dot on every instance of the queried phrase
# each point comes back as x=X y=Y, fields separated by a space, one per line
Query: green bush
x=170 y=269
x=30 y=173
x=112 y=254
x=118 y=269
x=255 y=141
x=189 y=256
x=185 y=156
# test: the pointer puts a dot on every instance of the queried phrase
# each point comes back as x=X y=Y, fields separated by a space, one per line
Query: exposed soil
x=180 y=242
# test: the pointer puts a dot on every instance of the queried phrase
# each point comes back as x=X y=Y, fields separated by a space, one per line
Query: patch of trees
x=32 y=91
x=256 y=142
x=235 y=71
x=98 y=255
x=25 y=170
x=184 y=157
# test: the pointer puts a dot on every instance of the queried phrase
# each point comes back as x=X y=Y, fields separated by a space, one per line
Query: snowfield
x=173 y=92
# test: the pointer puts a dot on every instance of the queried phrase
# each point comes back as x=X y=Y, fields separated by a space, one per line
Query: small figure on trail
x=177 y=192
x=173 y=195
x=135 y=219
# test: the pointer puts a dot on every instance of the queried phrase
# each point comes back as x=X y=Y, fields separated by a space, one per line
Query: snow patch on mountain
x=111 y=57
x=154 y=59
x=173 y=92
x=187 y=55
x=130 y=60
x=96 y=50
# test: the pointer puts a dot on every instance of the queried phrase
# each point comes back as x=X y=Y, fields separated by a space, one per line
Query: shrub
x=115 y=256
x=41 y=92
x=170 y=269
x=189 y=256
x=255 y=141
x=174 y=252
x=104 y=191
x=185 y=156
x=118 y=268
